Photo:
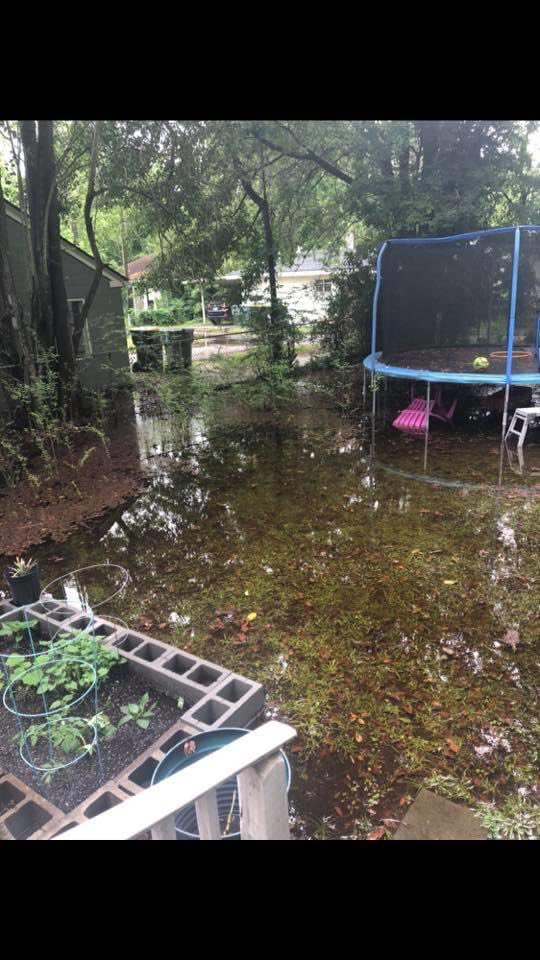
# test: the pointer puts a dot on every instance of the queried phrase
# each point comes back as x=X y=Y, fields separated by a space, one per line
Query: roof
x=136 y=268
x=113 y=275
x=304 y=266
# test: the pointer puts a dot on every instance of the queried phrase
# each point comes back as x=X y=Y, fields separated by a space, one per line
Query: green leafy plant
x=65 y=667
x=67 y=735
x=16 y=628
x=517 y=819
x=21 y=567
x=140 y=712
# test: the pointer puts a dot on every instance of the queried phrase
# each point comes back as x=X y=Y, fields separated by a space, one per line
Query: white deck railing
x=262 y=788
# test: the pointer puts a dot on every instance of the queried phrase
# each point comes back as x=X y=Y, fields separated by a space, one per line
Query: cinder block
x=236 y=701
x=24 y=812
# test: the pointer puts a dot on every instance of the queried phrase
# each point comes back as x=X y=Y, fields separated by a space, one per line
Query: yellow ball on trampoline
x=481 y=363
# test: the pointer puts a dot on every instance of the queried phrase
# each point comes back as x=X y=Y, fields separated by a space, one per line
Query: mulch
x=53 y=508
x=70 y=787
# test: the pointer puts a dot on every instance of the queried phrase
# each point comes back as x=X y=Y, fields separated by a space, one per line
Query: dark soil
x=70 y=787
x=31 y=513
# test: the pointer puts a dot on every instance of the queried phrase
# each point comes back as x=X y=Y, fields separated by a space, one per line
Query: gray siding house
x=103 y=356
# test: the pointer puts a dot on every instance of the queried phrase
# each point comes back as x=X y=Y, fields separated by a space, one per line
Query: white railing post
x=207 y=816
x=264 y=809
x=164 y=830
x=262 y=788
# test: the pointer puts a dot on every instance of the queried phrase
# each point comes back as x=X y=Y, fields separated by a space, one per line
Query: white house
x=135 y=270
x=304 y=286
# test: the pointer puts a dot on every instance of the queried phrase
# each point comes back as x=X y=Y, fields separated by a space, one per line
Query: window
x=323 y=287
x=85 y=344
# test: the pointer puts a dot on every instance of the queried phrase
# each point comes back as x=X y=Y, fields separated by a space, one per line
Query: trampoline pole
x=364 y=387
x=505 y=419
x=427 y=425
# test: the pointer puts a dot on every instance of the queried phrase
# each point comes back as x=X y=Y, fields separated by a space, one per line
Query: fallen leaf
x=449 y=583
x=454 y=746
x=339 y=811
x=358 y=737
x=190 y=747
x=377 y=834
x=251 y=616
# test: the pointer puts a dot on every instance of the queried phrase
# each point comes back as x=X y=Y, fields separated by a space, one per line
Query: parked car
x=219 y=312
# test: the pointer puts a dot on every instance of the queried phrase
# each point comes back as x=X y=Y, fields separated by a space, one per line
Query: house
x=103 y=357
x=148 y=299
x=304 y=286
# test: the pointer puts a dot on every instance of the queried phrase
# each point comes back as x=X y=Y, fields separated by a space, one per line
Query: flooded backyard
x=396 y=607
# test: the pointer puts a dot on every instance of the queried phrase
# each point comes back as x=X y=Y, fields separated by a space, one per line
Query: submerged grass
x=396 y=626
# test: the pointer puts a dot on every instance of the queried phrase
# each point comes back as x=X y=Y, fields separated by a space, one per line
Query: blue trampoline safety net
x=461 y=309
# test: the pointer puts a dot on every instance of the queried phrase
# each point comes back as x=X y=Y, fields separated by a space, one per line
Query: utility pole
x=202 y=303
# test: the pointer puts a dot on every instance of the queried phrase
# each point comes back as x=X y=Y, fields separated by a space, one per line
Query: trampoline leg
x=505 y=419
x=505 y=411
x=427 y=425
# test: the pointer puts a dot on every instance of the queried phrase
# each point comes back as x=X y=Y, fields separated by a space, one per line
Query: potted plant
x=23 y=580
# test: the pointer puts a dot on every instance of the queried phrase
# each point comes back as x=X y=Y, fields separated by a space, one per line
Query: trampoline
x=441 y=303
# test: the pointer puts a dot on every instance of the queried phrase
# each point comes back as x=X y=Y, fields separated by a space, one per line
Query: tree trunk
x=53 y=259
x=42 y=317
x=91 y=194
x=428 y=134
x=276 y=345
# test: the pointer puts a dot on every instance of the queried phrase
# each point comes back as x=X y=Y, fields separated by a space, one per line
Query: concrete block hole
x=104 y=802
x=9 y=796
x=149 y=652
x=204 y=675
x=142 y=775
x=128 y=643
x=179 y=664
x=234 y=690
x=209 y=712
x=27 y=820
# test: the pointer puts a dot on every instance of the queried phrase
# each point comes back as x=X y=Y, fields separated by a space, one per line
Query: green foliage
x=346 y=329
x=450 y=787
x=21 y=567
x=517 y=819
x=16 y=628
x=140 y=713
x=66 y=667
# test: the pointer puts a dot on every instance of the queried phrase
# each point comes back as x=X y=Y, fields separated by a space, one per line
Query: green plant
x=15 y=628
x=139 y=712
x=67 y=735
x=66 y=666
x=517 y=819
x=448 y=786
x=21 y=567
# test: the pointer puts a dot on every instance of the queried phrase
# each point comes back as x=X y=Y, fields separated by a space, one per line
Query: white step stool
x=526 y=415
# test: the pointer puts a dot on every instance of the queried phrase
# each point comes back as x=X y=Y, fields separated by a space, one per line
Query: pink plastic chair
x=413 y=420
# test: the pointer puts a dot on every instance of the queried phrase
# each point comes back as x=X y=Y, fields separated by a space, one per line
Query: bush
x=347 y=327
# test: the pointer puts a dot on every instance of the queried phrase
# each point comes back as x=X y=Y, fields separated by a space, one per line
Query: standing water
x=396 y=616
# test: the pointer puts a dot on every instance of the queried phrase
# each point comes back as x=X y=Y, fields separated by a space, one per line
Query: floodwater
x=396 y=598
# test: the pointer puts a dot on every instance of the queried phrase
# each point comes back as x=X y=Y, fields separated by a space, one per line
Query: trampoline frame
x=373 y=362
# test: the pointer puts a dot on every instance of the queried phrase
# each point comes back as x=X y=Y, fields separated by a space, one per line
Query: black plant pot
x=25 y=589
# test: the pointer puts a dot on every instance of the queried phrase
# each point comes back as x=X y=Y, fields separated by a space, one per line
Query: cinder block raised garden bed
x=209 y=695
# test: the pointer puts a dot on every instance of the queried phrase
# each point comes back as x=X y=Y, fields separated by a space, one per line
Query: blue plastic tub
x=227 y=793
